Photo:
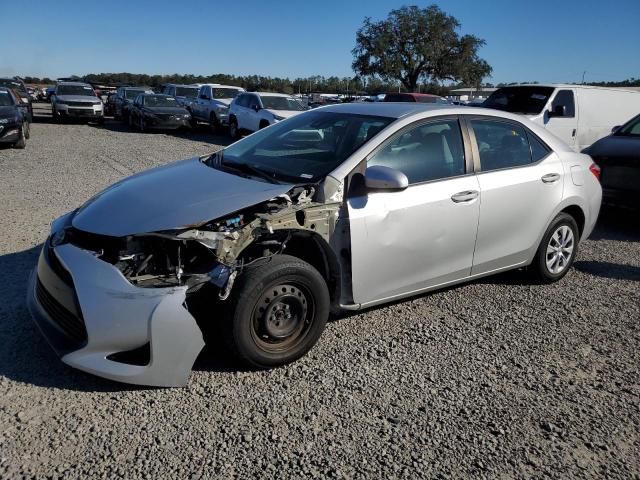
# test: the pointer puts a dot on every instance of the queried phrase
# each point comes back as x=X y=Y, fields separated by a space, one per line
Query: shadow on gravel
x=609 y=270
x=617 y=224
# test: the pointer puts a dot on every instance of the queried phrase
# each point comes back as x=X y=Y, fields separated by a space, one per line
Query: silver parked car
x=338 y=208
x=76 y=100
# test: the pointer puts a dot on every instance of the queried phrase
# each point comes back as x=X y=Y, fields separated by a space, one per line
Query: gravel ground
x=495 y=379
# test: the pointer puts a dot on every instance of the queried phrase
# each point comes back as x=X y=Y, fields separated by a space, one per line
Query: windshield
x=528 y=100
x=631 y=128
x=8 y=83
x=281 y=103
x=224 y=92
x=6 y=100
x=130 y=93
x=304 y=148
x=159 y=101
x=85 y=91
x=189 y=92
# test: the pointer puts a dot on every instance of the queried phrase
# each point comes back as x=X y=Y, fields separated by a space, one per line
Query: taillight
x=595 y=169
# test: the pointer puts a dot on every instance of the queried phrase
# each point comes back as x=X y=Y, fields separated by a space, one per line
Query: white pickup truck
x=212 y=104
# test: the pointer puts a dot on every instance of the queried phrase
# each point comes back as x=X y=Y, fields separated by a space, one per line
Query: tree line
x=316 y=84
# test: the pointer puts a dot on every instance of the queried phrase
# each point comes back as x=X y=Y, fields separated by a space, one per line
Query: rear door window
x=501 y=144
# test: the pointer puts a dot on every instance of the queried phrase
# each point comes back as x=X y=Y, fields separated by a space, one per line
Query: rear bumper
x=89 y=312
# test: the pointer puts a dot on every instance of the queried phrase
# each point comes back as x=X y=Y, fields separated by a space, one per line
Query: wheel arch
x=312 y=248
x=578 y=215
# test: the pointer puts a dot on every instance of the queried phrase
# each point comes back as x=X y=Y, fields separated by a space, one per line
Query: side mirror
x=256 y=107
x=615 y=129
x=379 y=177
x=558 y=111
x=203 y=97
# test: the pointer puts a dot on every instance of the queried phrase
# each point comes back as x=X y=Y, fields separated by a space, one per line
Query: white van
x=577 y=114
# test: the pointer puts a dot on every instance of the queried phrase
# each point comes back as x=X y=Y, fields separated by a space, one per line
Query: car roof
x=8 y=90
x=386 y=109
x=218 y=85
x=412 y=94
x=272 y=94
x=75 y=84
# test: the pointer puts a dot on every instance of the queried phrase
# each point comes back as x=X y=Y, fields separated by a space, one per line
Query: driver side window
x=430 y=151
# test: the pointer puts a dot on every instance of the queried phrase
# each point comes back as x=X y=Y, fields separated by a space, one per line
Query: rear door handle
x=465 y=196
x=551 y=177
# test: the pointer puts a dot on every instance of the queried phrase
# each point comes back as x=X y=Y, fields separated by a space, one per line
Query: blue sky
x=547 y=41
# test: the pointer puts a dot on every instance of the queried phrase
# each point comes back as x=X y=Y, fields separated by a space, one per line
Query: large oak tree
x=418 y=44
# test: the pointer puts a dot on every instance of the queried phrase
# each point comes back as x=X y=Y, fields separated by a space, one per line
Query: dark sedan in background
x=618 y=156
x=14 y=122
x=20 y=90
x=157 y=111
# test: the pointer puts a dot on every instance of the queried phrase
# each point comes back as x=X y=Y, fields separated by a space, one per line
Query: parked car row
x=579 y=115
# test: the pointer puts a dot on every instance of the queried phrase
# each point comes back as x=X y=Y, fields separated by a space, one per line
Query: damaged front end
x=145 y=299
x=214 y=252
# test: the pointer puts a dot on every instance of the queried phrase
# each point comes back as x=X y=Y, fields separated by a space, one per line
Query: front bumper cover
x=118 y=317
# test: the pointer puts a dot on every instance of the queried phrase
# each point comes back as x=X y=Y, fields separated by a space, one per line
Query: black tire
x=101 y=121
x=192 y=121
x=54 y=116
x=22 y=141
x=27 y=133
x=130 y=122
x=539 y=268
x=276 y=313
x=214 y=124
x=141 y=125
x=234 y=131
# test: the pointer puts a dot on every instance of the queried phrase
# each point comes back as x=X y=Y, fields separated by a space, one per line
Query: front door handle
x=465 y=196
x=550 y=177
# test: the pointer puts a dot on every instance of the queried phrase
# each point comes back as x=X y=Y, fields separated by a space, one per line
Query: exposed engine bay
x=213 y=252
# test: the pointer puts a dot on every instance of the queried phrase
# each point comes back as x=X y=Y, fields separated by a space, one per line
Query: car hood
x=77 y=98
x=180 y=195
x=167 y=110
x=223 y=101
x=618 y=146
x=283 y=113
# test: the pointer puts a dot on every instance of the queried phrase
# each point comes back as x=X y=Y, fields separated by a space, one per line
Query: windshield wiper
x=250 y=169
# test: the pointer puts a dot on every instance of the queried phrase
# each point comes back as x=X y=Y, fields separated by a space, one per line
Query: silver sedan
x=338 y=208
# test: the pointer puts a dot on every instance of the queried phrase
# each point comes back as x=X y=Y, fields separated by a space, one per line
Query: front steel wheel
x=277 y=312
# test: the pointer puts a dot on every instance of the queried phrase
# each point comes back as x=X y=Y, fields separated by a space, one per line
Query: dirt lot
x=495 y=379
